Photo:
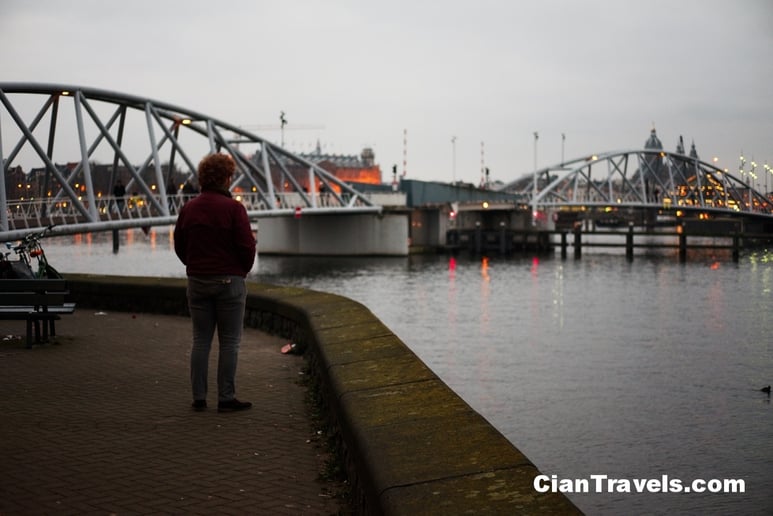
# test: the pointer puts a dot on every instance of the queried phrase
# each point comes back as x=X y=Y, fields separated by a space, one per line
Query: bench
x=35 y=301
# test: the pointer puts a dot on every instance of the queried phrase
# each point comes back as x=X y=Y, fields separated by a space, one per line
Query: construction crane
x=281 y=127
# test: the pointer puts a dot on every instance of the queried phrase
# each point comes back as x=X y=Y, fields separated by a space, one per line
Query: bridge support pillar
x=629 y=244
x=682 y=246
x=364 y=234
x=563 y=245
x=577 y=243
x=736 y=247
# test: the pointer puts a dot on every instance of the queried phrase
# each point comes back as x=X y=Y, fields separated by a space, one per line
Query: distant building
x=349 y=168
x=40 y=182
x=656 y=173
x=16 y=184
x=653 y=142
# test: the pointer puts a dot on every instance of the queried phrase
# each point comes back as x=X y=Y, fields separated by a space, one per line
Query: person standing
x=214 y=240
x=119 y=191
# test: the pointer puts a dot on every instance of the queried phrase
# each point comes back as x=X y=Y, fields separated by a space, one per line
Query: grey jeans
x=216 y=302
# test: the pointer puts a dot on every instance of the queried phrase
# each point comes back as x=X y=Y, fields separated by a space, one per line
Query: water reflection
x=139 y=254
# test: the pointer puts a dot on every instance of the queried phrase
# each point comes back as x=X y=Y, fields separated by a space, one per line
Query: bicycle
x=27 y=249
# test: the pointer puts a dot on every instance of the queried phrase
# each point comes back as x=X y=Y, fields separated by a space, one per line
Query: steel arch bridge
x=157 y=145
x=642 y=179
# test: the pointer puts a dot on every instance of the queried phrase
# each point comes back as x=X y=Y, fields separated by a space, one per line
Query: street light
x=453 y=158
x=534 y=186
x=282 y=124
x=563 y=143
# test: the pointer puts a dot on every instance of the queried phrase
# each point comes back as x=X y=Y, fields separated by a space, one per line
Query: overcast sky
x=359 y=73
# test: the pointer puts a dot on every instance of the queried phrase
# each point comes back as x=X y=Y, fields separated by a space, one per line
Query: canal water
x=649 y=369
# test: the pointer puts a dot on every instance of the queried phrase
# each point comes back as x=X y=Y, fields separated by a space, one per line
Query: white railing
x=133 y=210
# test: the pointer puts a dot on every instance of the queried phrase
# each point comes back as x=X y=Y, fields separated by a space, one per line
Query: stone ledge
x=410 y=444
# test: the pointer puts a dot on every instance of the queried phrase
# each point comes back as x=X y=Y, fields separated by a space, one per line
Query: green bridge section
x=410 y=444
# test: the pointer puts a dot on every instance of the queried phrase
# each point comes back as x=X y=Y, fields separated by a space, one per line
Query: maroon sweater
x=213 y=236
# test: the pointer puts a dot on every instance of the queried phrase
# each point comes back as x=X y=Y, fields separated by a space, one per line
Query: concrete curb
x=409 y=443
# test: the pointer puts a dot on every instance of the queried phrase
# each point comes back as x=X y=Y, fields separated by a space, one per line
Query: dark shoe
x=199 y=405
x=233 y=405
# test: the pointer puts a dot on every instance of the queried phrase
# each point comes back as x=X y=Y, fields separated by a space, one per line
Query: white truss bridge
x=644 y=178
x=72 y=136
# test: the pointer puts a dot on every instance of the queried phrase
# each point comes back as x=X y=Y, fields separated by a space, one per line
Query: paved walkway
x=100 y=423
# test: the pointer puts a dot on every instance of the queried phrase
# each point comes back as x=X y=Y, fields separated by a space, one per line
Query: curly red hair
x=215 y=170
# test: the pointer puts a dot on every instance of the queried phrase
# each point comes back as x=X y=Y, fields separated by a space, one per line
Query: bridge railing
x=26 y=214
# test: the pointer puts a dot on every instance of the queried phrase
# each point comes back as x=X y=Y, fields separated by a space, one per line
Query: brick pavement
x=100 y=423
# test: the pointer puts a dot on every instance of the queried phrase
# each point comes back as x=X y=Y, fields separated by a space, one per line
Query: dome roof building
x=653 y=142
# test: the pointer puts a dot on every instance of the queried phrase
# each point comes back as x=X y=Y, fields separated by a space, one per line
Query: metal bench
x=35 y=301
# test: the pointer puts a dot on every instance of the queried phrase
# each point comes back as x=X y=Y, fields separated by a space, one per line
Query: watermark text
x=664 y=484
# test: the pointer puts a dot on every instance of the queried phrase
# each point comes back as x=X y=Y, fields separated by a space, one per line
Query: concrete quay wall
x=410 y=445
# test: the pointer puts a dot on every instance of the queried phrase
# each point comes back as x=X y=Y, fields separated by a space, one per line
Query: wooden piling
x=577 y=243
x=736 y=247
x=629 y=244
x=563 y=245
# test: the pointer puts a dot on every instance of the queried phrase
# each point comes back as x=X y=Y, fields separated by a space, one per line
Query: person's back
x=213 y=236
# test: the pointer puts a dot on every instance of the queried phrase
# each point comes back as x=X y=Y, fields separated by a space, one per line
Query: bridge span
x=74 y=143
x=645 y=180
